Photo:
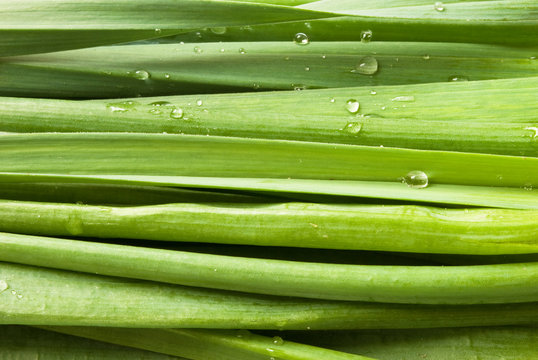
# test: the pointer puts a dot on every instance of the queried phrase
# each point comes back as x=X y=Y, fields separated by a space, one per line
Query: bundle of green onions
x=268 y=179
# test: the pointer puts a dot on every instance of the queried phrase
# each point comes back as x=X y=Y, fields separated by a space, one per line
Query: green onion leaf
x=39 y=296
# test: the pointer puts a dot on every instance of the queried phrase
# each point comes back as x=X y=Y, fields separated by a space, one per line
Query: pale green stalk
x=486 y=284
x=39 y=296
x=482 y=116
x=348 y=227
x=210 y=156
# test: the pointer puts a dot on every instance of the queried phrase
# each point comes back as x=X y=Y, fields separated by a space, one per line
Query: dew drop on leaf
x=366 y=36
x=353 y=128
x=367 y=66
x=141 y=75
x=416 y=179
x=301 y=39
x=352 y=106
x=405 y=98
x=458 y=78
x=439 y=6
x=220 y=30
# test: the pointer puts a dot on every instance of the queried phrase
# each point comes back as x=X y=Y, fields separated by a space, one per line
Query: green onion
x=39 y=296
x=36 y=26
x=173 y=69
x=207 y=156
x=207 y=344
x=353 y=227
x=24 y=342
x=511 y=22
x=506 y=283
x=309 y=190
x=392 y=116
x=488 y=343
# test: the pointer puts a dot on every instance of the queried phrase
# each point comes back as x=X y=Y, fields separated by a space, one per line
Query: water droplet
x=439 y=6
x=13 y=292
x=301 y=39
x=277 y=340
x=198 y=50
x=218 y=30
x=373 y=92
x=222 y=50
x=141 y=75
x=270 y=350
x=416 y=179
x=121 y=106
x=3 y=286
x=352 y=106
x=458 y=78
x=527 y=187
x=366 y=36
x=426 y=57
x=307 y=68
x=308 y=25
x=367 y=66
x=533 y=128
x=324 y=57
x=298 y=87
x=19 y=296
x=242 y=333
x=177 y=113
x=407 y=98
x=353 y=128
x=158 y=107
x=158 y=31
x=255 y=86
x=242 y=51
x=199 y=102
x=308 y=328
x=332 y=100
x=198 y=34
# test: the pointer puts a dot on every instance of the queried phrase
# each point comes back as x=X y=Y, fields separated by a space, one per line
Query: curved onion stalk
x=485 y=284
x=24 y=342
x=37 y=26
x=511 y=22
x=210 y=156
x=351 y=227
x=207 y=344
x=482 y=116
x=308 y=190
x=175 y=69
x=39 y=296
x=486 y=343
